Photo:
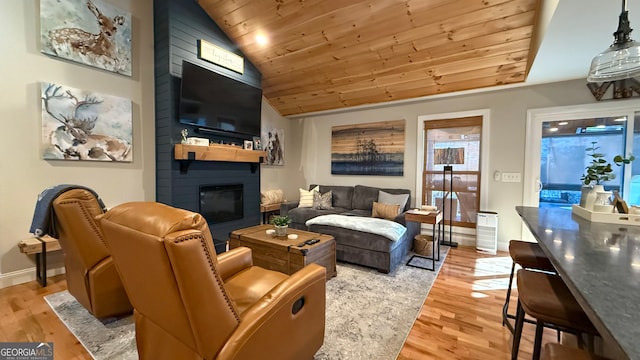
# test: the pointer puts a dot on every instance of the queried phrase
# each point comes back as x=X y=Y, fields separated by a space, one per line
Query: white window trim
x=484 y=152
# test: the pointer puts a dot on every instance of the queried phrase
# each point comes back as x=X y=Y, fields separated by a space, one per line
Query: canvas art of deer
x=74 y=138
x=98 y=47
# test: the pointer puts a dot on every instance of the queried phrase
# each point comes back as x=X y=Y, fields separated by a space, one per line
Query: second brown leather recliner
x=191 y=304
x=91 y=275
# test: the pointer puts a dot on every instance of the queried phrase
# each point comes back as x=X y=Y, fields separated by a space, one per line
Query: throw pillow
x=400 y=199
x=385 y=211
x=322 y=201
x=306 y=197
x=271 y=197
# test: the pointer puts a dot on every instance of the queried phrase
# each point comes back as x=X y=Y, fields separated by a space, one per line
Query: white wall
x=23 y=173
x=287 y=177
x=508 y=110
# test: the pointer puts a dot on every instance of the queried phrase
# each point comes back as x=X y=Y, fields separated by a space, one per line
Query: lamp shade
x=619 y=61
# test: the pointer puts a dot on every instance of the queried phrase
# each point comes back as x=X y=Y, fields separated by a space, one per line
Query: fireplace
x=221 y=203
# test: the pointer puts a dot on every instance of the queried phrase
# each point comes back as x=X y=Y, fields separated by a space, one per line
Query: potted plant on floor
x=281 y=223
x=596 y=174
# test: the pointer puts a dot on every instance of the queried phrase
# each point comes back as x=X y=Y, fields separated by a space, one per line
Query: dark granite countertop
x=600 y=263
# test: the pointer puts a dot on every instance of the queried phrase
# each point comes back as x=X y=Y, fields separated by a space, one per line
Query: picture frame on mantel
x=257 y=143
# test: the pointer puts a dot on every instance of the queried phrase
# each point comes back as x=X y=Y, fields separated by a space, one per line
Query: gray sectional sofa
x=359 y=247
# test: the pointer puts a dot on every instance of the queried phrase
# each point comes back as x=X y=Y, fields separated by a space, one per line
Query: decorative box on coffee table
x=282 y=254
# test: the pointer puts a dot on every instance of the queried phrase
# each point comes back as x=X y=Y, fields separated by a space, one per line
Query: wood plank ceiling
x=331 y=54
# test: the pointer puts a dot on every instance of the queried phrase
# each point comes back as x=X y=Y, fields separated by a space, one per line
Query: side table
x=40 y=246
x=427 y=217
x=267 y=210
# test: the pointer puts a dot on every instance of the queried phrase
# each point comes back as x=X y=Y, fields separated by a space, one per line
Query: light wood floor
x=461 y=317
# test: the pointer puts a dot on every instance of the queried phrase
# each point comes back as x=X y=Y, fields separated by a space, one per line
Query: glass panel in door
x=563 y=156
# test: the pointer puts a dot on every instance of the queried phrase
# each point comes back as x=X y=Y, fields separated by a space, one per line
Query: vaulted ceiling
x=331 y=54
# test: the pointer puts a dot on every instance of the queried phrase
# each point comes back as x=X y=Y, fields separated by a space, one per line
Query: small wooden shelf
x=215 y=152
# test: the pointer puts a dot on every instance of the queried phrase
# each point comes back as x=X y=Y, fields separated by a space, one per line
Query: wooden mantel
x=216 y=152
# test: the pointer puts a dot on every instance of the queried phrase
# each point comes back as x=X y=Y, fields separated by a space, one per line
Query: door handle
x=538 y=185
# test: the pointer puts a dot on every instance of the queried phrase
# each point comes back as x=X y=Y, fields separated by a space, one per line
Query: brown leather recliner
x=91 y=276
x=191 y=304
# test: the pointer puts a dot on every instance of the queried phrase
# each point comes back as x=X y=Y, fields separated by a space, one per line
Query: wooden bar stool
x=529 y=256
x=554 y=351
x=547 y=299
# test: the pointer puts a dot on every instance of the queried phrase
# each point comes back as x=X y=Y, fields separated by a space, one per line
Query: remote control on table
x=313 y=241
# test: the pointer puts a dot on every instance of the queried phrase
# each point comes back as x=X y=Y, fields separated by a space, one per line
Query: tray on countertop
x=612 y=218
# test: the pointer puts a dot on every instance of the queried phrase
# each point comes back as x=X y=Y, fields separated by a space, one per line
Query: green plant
x=600 y=169
x=279 y=220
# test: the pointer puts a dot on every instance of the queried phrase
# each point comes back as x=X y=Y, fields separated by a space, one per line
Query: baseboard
x=24 y=276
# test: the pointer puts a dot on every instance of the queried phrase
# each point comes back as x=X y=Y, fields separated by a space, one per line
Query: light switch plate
x=511 y=177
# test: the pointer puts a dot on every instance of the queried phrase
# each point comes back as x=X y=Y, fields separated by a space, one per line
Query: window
x=455 y=143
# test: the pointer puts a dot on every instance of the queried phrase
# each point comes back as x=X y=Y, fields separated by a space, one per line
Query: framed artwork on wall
x=273 y=145
x=84 y=125
x=368 y=149
x=89 y=32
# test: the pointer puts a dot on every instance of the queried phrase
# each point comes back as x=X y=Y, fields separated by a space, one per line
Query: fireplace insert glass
x=221 y=203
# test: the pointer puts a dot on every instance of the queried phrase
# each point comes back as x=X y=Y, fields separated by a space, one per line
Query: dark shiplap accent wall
x=178 y=24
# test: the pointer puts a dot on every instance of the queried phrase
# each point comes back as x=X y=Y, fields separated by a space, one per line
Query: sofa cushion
x=399 y=199
x=301 y=215
x=322 y=201
x=306 y=197
x=385 y=211
x=341 y=195
x=401 y=191
x=356 y=212
x=364 y=196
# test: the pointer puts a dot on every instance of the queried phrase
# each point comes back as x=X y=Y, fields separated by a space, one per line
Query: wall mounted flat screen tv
x=218 y=103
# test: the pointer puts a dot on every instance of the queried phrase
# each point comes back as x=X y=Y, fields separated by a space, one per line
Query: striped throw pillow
x=306 y=197
x=385 y=211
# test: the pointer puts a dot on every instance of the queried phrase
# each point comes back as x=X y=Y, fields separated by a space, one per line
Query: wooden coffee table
x=282 y=254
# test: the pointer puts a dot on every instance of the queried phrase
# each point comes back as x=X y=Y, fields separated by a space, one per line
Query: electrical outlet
x=511 y=177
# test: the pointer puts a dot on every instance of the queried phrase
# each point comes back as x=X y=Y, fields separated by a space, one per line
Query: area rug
x=369 y=315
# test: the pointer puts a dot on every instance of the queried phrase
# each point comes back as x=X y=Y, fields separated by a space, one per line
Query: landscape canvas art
x=368 y=149
x=90 y=32
x=84 y=125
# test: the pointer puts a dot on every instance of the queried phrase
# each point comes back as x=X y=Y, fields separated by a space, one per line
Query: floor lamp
x=448 y=169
